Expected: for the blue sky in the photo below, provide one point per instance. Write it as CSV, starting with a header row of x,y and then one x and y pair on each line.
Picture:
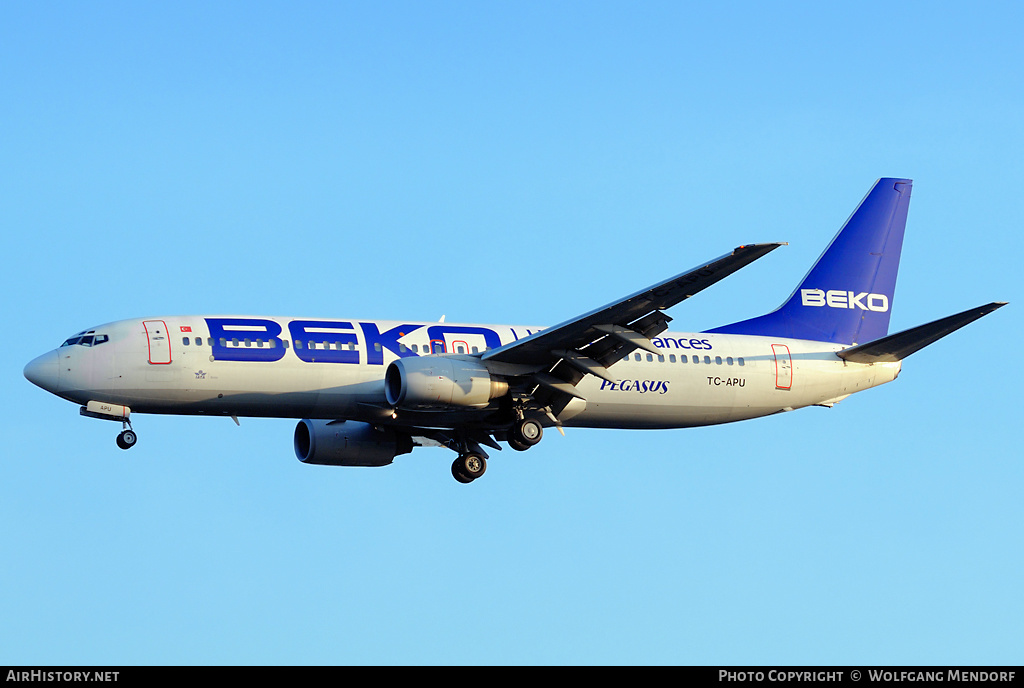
x,y
509,163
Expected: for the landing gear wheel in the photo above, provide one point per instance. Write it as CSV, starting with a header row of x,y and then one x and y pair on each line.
x,y
516,444
468,467
457,474
526,432
127,439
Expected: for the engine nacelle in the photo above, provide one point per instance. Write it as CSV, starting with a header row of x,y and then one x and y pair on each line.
x,y
348,443
440,382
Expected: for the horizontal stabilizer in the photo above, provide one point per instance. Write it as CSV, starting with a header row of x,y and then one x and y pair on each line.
x,y
896,347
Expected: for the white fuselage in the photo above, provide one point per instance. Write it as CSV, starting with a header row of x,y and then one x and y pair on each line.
x,y
300,368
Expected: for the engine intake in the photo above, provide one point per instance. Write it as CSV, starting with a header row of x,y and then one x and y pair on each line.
x,y
348,443
440,382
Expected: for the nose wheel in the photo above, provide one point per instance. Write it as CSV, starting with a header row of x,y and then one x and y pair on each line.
x,y
127,438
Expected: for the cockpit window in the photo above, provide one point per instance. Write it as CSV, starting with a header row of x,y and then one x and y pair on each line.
x,y
87,338
73,340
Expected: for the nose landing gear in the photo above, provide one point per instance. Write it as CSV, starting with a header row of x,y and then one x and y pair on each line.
x,y
127,438
114,412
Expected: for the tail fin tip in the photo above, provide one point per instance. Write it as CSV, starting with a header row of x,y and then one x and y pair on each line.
x,y
847,295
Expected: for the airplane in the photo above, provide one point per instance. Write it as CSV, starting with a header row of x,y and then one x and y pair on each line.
x,y
368,391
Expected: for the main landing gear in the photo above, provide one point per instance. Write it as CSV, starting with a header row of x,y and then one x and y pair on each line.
x,y
525,433
468,467
472,463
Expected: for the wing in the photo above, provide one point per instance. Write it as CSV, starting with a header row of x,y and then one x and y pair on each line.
x,y
557,358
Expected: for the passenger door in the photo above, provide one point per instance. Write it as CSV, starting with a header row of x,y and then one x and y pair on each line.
x,y
159,342
783,366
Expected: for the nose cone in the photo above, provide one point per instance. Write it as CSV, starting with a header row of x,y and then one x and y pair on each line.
x,y
44,371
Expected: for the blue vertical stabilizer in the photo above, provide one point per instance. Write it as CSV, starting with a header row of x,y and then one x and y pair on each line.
x,y
847,296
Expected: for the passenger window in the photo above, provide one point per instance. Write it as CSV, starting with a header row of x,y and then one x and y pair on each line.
x,y
696,359
728,360
661,359
199,341
234,341
476,350
707,360
248,342
739,360
718,360
671,358
186,341
637,357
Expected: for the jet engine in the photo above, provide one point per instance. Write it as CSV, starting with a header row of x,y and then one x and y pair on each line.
x,y
348,443
440,382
